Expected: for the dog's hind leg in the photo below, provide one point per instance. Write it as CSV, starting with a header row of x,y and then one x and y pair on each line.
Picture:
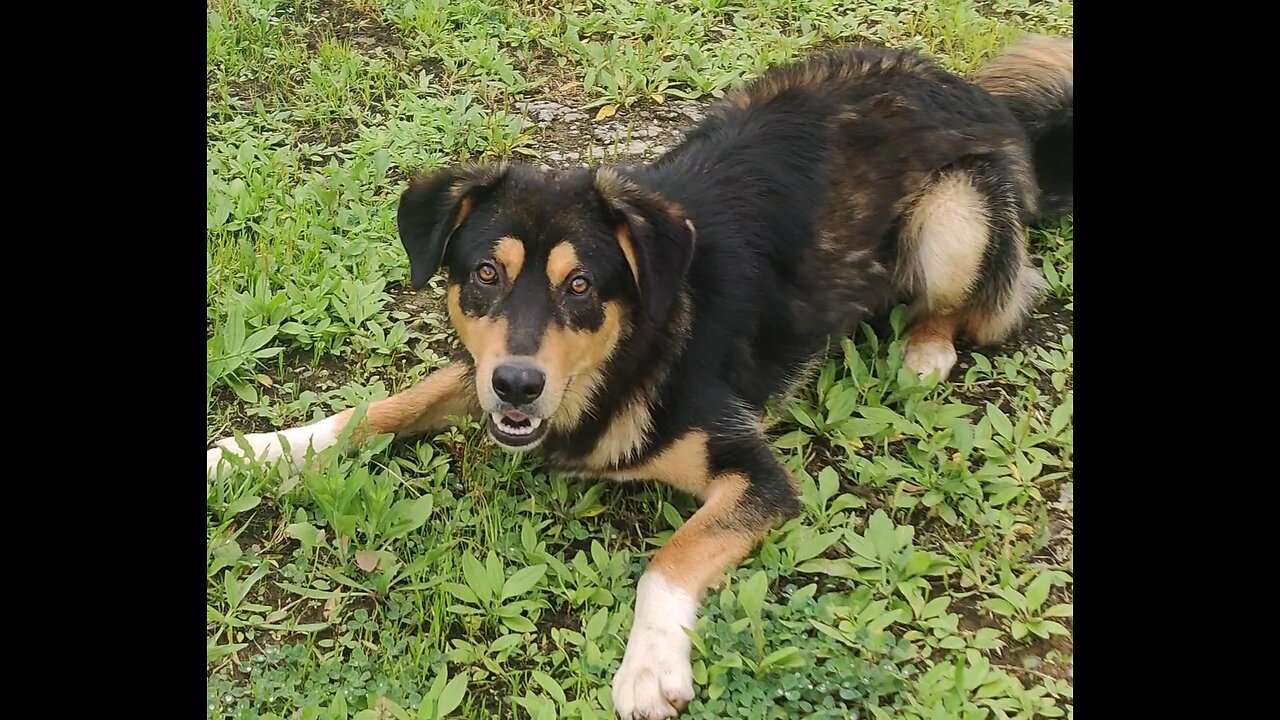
x,y
931,346
964,262
944,240
426,406
742,500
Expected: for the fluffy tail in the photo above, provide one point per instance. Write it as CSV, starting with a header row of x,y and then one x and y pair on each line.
x,y
1034,77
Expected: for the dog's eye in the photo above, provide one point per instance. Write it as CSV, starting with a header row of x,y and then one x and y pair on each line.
x,y
487,273
579,285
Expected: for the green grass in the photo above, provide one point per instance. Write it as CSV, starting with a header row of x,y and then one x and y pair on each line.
x,y
930,575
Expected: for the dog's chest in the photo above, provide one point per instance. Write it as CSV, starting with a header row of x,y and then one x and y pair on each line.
x,y
682,463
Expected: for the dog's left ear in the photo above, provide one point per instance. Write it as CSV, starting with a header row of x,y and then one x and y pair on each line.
x,y
435,206
655,236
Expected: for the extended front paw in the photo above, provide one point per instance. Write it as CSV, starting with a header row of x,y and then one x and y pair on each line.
x,y
269,447
655,679
265,447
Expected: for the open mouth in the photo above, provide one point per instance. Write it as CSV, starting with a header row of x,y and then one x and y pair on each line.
x,y
515,429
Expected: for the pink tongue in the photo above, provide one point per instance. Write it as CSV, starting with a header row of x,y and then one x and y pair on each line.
x,y
514,416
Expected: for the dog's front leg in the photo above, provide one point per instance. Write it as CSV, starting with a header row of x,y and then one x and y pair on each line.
x,y
423,407
740,506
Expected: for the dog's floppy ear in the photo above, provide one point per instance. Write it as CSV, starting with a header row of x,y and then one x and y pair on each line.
x,y
655,236
434,206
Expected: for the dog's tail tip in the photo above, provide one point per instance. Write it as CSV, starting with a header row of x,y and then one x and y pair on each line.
x,y
1035,77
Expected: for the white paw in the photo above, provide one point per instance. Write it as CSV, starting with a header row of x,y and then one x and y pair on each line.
x,y
268,448
926,354
656,679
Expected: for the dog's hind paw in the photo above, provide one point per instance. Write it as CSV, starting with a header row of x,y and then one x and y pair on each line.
x,y
928,353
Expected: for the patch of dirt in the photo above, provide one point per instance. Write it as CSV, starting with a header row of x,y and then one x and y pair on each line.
x,y
263,530
328,373
1023,660
415,302
313,22
568,136
1028,661
368,33
363,28
1059,551
330,133
241,92
556,81
1048,323
236,419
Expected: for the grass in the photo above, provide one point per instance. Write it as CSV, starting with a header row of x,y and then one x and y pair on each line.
x,y
930,575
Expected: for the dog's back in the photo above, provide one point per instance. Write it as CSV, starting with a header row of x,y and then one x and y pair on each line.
x,y
829,190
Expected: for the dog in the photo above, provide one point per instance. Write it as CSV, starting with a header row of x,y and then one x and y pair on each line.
x,y
632,322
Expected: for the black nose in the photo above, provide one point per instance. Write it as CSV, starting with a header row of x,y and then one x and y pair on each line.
x,y
518,384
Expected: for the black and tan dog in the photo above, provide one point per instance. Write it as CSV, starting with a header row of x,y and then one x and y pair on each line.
x,y
632,322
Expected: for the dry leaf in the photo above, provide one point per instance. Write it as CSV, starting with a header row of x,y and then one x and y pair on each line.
x,y
606,112
265,380
367,560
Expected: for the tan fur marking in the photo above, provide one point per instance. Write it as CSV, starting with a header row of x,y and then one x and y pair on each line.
x,y
464,209
562,260
630,426
485,338
934,327
704,548
682,465
510,252
946,236
1028,67
629,252
572,360
425,406
627,432
613,187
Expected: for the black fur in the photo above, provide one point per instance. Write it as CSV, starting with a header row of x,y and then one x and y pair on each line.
x,y
427,210
797,189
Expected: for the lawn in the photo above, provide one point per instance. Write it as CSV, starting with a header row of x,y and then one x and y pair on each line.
x,y
930,575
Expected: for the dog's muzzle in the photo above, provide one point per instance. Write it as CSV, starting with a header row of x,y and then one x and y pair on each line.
x,y
519,384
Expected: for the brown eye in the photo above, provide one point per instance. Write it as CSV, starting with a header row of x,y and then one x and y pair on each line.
x,y
487,273
579,285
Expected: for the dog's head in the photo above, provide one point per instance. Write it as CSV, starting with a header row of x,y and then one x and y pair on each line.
x,y
548,272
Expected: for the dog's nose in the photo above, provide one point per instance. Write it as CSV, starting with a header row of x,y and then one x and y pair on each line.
x,y
518,384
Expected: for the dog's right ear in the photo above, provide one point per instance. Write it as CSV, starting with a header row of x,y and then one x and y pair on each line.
x,y
434,206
